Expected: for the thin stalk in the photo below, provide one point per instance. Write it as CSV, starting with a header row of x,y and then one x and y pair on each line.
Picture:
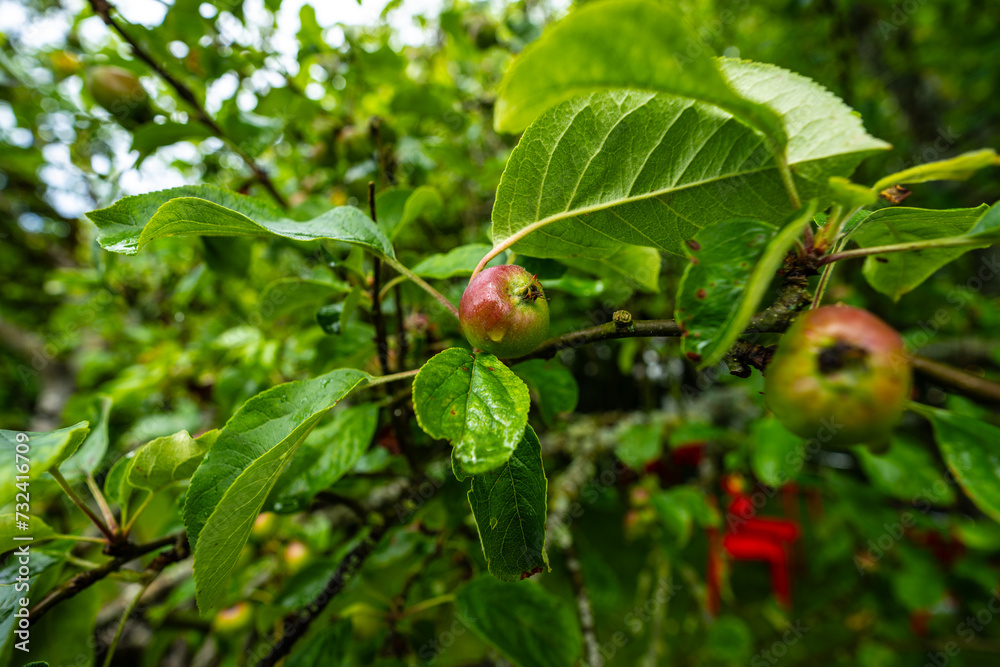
x,y
101,502
828,232
958,241
427,604
121,625
968,384
384,379
384,292
79,562
422,284
68,490
78,538
786,178
821,286
138,511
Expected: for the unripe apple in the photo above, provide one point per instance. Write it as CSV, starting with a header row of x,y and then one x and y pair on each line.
x,y
504,311
840,375
264,526
233,620
120,93
365,619
296,556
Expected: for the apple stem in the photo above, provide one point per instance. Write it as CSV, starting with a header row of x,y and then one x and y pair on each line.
x,y
384,379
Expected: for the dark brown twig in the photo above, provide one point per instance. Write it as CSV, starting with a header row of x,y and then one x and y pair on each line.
x,y
399,424
378,319
401,341
88,578
346,571
103,9
574,339
792,298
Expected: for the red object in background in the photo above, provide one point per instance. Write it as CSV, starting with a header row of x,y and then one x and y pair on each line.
x,y
919,621
677,464
688,455
749,537
945,548
713,575
754,547
387,438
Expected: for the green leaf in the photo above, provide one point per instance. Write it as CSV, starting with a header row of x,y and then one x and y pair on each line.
x,y
627,167
236,476
11,593
621,44
508,503
638,444
576,286
460,261
63,633
163,461
680,509
351,303
777,455
131,223
530,626
114,483
906,471
958,168
333,317
968,448
37,529
553,385
894,274
287,295
722,258
919,582
474,401
729,640
327,454
988,226
42,451
150,136
329,318
398,207
851,195
95,446
719,292
639,267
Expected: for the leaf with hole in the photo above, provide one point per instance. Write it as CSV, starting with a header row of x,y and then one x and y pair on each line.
x,y
731,265
897,273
